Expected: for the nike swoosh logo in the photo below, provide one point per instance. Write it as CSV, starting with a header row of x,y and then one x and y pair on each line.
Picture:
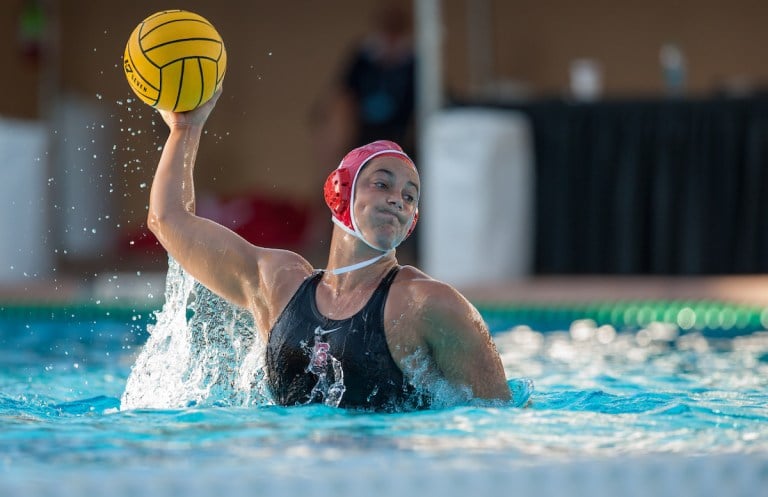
x,y
321,332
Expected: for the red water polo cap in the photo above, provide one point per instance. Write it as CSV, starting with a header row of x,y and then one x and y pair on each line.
x,y
339,188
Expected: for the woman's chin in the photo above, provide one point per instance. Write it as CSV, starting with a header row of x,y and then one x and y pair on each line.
x,y
384,247
384,237
387,243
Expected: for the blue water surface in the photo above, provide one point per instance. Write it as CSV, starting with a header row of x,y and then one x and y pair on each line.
x,y
586,390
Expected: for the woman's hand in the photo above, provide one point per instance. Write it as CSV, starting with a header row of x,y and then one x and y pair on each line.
x,y
194,117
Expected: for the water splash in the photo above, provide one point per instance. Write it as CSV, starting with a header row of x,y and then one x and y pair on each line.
x,y
423,374
202,350
430,384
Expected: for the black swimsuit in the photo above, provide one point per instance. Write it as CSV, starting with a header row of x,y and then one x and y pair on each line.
x,y
311,358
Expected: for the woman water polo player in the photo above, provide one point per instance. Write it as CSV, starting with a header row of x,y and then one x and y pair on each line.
x,y
366,332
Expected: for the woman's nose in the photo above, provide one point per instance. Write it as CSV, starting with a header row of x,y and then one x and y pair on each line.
x,y
397,202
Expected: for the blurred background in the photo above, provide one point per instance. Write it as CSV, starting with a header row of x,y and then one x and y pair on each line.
x,y
554,138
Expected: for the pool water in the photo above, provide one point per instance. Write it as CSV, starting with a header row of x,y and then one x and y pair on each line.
x,y
587,392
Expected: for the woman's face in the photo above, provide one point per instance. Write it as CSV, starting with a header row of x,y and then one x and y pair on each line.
x,y
385,201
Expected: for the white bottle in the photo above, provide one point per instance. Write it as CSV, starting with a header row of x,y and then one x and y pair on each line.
x,y
673,69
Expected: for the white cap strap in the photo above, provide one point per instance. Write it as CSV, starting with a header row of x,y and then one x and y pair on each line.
x,y
359,265
362,264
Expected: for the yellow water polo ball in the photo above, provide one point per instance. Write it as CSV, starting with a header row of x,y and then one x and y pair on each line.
x,y
175,60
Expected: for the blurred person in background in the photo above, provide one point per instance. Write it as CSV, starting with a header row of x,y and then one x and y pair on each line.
x,y
373,98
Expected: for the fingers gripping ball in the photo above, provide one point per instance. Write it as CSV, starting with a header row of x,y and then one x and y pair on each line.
x,y
175,60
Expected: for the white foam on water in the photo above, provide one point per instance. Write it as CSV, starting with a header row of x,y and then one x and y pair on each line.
x,y
212,357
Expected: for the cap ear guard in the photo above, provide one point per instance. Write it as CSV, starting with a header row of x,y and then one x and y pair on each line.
x,y
338,191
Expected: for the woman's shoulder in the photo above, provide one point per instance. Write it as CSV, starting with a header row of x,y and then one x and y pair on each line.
x,y
281,274
425,305
416,285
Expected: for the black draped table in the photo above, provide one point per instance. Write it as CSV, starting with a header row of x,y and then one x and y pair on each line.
x,y
650,186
